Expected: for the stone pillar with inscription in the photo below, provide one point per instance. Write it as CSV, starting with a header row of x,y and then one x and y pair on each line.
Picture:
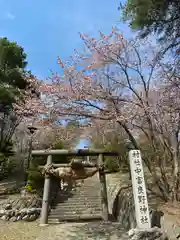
x,y
139,190
143,229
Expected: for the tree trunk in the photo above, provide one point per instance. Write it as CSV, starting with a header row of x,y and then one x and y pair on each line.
x,y
164,178
175,179
175,182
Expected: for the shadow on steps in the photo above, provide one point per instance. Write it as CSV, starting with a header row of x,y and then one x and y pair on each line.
x,y
61,196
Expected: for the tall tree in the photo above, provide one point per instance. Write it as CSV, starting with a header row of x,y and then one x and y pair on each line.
x,y
17,87
160,17
12,71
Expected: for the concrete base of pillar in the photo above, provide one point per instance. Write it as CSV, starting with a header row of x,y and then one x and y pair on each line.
x,y
148,234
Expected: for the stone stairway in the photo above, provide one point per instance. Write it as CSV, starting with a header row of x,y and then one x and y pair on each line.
x,y
83,204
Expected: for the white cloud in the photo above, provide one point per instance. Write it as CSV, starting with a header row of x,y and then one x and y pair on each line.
x,y
10,16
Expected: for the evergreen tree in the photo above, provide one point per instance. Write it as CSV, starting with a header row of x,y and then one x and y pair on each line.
x,y
155,16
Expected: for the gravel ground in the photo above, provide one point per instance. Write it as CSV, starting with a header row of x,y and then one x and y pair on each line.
x,y
80,231
68,231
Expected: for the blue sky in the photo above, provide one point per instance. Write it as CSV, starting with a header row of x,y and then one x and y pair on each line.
x,y
47,29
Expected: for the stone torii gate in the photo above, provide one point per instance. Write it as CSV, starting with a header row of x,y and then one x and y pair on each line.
x,y
75,152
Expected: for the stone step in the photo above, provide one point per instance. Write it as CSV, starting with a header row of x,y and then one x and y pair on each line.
x,y
91,190
75,212
82,217
80,200
85,198
92,185
85,188
72,209
80,195
66,208
88,191
79,204
97,188
77,215
80,209
71,202
76,204
89,197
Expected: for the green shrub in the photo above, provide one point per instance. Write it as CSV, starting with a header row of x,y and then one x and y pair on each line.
x,y
29,186
35,179
111,164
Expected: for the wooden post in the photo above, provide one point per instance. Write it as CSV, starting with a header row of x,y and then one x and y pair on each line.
x,y
45,202
104,199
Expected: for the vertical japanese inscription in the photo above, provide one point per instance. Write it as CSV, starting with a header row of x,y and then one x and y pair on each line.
x,y
139,190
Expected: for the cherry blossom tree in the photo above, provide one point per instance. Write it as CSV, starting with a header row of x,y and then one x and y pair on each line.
x,y
124,82
36,112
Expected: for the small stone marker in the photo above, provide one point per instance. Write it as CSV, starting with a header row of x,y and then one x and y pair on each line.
x,y
139,190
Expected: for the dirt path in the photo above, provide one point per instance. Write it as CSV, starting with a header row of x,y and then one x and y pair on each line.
x,y
68,231
80,231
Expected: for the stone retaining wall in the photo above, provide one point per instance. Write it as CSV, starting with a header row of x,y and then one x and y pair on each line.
x,y
123,208
25,207
114,183
120,199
